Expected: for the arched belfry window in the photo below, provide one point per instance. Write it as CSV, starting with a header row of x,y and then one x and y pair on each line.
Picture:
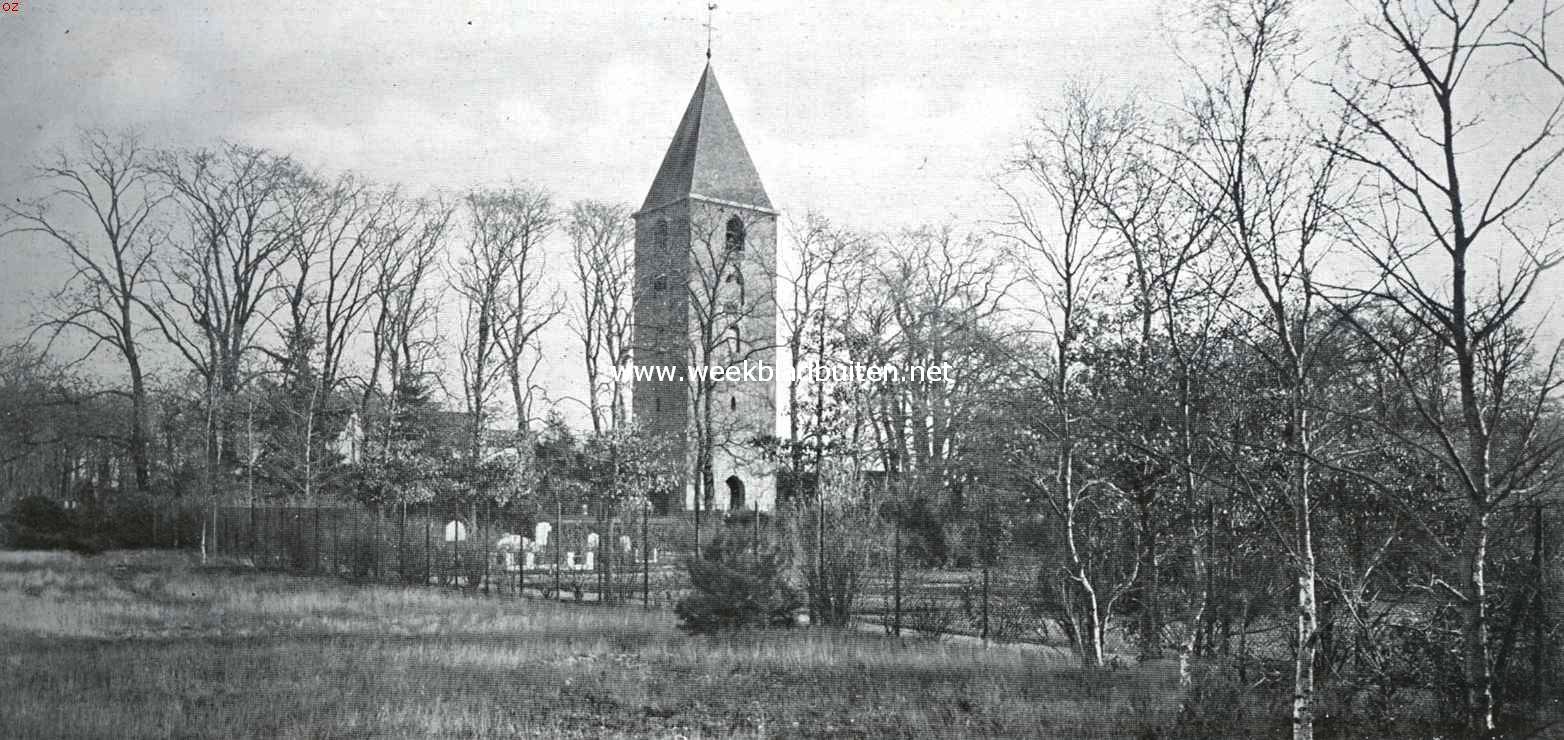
x,y
660,236
735,235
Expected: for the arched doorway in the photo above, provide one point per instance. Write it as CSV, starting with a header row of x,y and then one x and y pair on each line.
x,y
735,493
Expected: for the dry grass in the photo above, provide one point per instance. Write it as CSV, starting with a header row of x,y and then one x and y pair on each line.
x,y
151,645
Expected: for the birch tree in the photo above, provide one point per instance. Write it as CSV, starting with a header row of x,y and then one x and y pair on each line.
x,y
1461,185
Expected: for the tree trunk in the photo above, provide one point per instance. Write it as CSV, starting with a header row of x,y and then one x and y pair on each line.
x,y
1476,665
138,435
1308,610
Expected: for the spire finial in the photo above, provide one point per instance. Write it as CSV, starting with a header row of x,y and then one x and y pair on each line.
x,y
709,8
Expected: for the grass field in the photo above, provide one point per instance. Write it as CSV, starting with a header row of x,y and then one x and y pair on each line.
x,y
155,645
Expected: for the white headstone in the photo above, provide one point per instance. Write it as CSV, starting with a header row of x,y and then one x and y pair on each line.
x,y
540,533
570,560
591,561
455,531
591,540
529,560
509,543
624,542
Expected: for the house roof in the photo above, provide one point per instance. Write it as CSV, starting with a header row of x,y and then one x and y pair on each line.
x,y
707,157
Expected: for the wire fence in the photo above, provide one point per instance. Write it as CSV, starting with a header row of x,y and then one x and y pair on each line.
x,y
633,559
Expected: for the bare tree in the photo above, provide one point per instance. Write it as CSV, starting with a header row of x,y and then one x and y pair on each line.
x,y
1164,221
600,236
727,295
215,283
498,277
108,184
944,291
403,304
1064,255
529,217
815,287
1422,116
1277,196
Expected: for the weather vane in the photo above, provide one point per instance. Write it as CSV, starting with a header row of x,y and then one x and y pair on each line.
x,y
709,8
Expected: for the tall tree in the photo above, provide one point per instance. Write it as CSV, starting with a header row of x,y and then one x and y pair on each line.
x,y
1065,254
528,216
404,303
1449,205
100,212
215,281
600,235
1278,197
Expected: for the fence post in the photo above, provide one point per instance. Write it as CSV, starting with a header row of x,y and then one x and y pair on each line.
x,y
485,535
1539,649
985,604
336,542
374,542
319,564
896,579
279,514
605,565
646,559
559,535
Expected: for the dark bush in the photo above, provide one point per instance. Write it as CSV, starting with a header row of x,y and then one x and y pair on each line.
x,y
40,523
923,536
133,521
738,585
39,515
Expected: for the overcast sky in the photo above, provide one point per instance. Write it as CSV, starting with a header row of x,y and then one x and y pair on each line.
x,y
878,114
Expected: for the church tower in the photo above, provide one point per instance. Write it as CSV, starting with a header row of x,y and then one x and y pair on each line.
x,y
705,277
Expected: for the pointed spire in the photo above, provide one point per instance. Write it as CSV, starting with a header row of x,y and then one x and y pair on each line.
x,y
707,157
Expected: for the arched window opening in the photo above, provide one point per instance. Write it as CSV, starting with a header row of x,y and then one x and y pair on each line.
x,y
735,493
736,339
735,235
657,405
660,236
733,403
